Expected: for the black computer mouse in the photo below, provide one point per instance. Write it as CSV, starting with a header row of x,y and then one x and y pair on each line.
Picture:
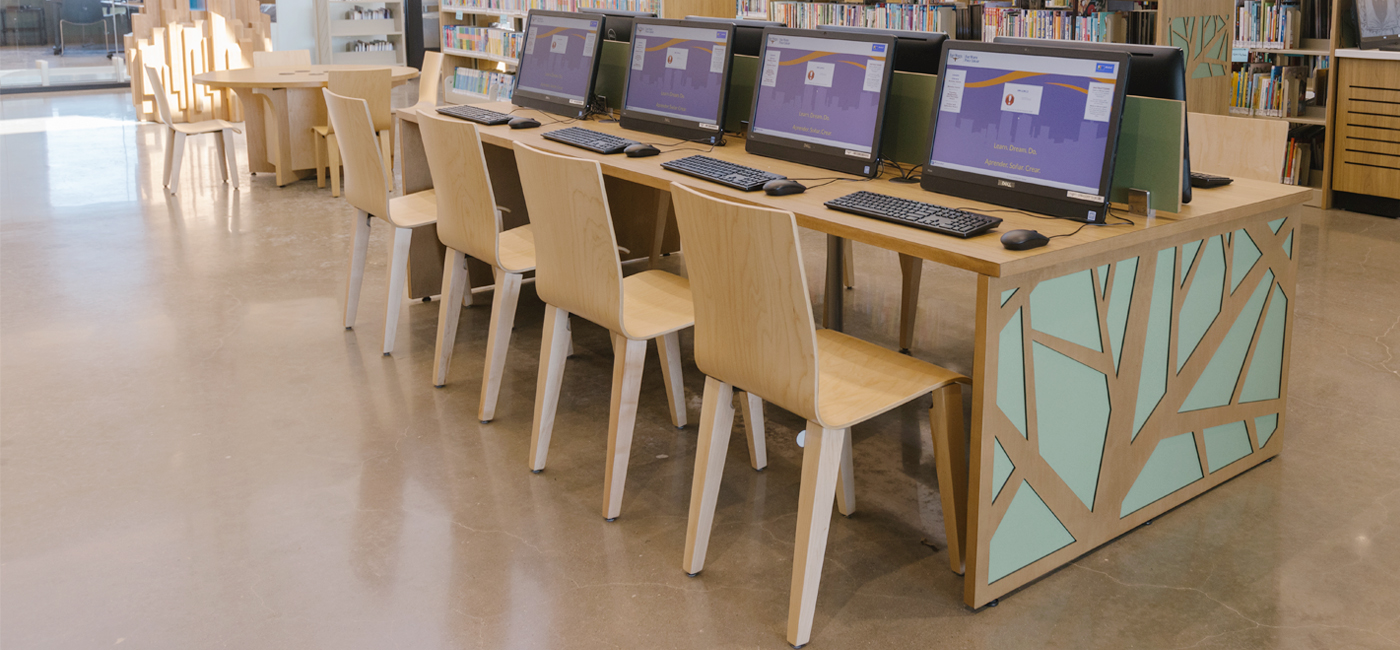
x,y
640,150
783,187
523,123
1023,240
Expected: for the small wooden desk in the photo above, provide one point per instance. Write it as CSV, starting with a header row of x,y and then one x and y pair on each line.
x,y
293,105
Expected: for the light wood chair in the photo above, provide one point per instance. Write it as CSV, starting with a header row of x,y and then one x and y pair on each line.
x,y
1238,147
367,190
754,330
177,132
371,85
281,58
429,80
469,224
578,272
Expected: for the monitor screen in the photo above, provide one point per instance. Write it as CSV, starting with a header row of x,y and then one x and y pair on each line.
x,y
678,75
558,61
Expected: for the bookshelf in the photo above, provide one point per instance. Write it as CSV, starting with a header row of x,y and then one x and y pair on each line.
x,y
364,33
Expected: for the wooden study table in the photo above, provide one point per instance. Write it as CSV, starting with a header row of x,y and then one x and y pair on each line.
x,y
292,104
1119,371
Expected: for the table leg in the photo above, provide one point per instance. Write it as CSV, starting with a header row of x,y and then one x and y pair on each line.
x,y
255,132
834,300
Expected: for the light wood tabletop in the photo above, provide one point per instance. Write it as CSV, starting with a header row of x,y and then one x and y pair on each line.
x,y
296,76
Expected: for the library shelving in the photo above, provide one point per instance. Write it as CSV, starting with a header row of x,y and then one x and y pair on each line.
x,y
370,33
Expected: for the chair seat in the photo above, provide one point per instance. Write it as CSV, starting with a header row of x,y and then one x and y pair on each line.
x,y
516,249
207,126
860,380
656,303
417,209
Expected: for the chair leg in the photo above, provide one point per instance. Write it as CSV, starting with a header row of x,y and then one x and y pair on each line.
x,y
322,143
669,347
358,249
454,284
398,275
622,418
848,268
169,156
333,162
712,445
177,158
230,157
752,406
386,150
219,150
552,357
503,302
912,270
950,458
821,465
846,480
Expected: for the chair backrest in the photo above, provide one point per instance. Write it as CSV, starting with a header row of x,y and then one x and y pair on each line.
x,y
753,319
282,58
157,89
429,78
576,264
1238,147
467,216
371,85
365,187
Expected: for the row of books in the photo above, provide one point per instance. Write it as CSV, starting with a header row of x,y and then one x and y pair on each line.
x,y
1304,152
369,46
483,39
1268,25
1101,27
1317,18
359,13
523,6
1026,23
916,17
494,85
1269,90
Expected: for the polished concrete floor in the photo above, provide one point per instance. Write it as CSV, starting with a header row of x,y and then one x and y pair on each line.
x,y
197,455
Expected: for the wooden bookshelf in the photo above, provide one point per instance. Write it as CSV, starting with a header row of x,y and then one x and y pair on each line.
x,y
336,32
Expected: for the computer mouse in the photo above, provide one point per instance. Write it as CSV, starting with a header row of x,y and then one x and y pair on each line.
x,y
783,187
1023,240
523,123
640,150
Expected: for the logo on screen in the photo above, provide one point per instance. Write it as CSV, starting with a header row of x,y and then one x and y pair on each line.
x,y
878,47
1010,99
811,75
1104,68
592,23
1005,183
721,35
669,58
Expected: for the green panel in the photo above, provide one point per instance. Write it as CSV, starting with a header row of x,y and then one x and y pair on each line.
x,y
1202,302
612,73
1226,444
1149,151
1174,464
742,73
1264,427
1207,33
1011,374
1178,33
1276,224
908,108
1066,307
1219,52
1203,71
1118,306
1266,367
1103,280
1001,468
1288,245
1246,253
1153,382
1218,69
1188,255
1028,532
1217,383
1006,295
1071,418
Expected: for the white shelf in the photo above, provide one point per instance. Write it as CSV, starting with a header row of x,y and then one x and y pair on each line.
x,y
1358,53
387,57
477,11
455,96
473,54
366,27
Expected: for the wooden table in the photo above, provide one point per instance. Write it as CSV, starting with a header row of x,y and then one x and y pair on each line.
x,y
291,104
1119,371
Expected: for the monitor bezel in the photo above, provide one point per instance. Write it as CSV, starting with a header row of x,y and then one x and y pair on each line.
x,y
675,127
552,103
902,63
1024,194
810,153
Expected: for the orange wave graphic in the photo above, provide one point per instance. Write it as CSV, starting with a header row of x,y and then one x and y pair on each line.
x,y
1010,76
1082,90
815,55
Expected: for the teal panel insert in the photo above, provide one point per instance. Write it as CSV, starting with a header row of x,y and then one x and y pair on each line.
x,y
1202,302
1001,468
1118,304
1006,295
1288,245
1266,367
1153,382
1217,383
1071,419
1066,307
1264,427
1276,224
1011,374
1174,464
1029,531
1226,444
1246,253
1103,280
1188,255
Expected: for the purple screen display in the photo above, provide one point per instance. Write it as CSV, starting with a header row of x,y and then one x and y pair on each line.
x,y
558,57
677,72
823,91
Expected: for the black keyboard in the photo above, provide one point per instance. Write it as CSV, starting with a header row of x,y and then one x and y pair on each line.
x,y
937,218
1208,181
474,114
738,177
590,140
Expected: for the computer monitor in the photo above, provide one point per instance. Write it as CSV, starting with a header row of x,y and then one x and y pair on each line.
x,y
748,34
678,78
913,51
1028,127
617,25
1377,24
558,63
820,99
1156,71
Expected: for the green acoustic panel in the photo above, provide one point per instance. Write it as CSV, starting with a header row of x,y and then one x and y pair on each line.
x,y
1006,295
1245,255
1288,245
1103,280
1188,255
1066,307
612,73
908,109
1071,418
1118,304
1149,151
1276,224
1011,373
1001,468
1226,444
1153,382
1174,464
1217,383
1266,366
1029,531
1202,303
1264,427
742,73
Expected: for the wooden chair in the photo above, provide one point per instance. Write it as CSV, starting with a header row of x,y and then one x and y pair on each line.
x,y
578,272
429,79
367,190
469,224
177,132
282,58
371,85
754,330
1238,147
